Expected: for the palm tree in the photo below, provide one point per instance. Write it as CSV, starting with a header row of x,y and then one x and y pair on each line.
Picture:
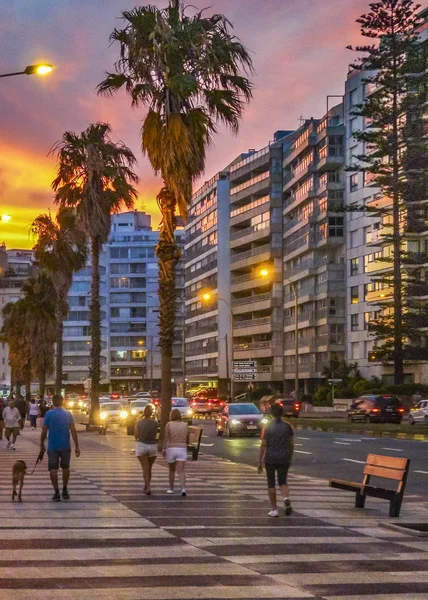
x,y
95,177
187,71
40,325
60,249
13,333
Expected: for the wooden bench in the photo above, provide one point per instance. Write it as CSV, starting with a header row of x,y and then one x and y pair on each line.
x,y
195,436
384,467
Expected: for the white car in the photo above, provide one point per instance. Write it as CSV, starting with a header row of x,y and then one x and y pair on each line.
x,y
137,406
182,404
419,414
112,412
142,395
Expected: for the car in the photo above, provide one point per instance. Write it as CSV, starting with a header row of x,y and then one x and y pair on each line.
x,y
142,395
115,396
290,406
135,412
182,404
112,412
376,408
207,401
419,413
240,418
72,401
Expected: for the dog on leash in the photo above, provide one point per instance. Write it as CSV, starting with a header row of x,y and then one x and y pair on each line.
x,y
18,474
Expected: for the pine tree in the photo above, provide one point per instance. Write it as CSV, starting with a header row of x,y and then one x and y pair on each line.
x,y
395,160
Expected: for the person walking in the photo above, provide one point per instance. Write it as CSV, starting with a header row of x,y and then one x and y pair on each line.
x,y
11,418
176,439
33,413
276,452
146,451
21,405
57,426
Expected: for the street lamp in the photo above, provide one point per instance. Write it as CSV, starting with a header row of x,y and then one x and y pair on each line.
x,y
39,69
208,297
143,357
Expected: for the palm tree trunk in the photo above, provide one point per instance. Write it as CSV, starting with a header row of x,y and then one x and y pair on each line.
x,y
168,254
28,383
42,382
95,321
58,357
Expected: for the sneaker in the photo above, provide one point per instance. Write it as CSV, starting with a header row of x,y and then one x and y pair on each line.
x,y
170,491
183,492
287,507
12,447
273,513
8,445
56,497
65,495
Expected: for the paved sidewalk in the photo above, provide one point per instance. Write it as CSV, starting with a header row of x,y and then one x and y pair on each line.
x,y
111,542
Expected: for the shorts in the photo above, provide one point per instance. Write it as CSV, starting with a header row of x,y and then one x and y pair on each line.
x,y
11,431
146,449
58,458
176,454
281,470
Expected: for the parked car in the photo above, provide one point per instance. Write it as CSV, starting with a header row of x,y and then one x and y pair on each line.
x,y
72,401
419,413
373,408
141,395
206,401
240,418
291,407
113,412
135,412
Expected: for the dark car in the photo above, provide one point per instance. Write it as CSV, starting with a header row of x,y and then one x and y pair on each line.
x,y
291,407
240,418
207,401
136,411
373,408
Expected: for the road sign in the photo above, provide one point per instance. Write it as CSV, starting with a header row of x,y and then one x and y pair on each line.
x,y
239,365
334,380
245,376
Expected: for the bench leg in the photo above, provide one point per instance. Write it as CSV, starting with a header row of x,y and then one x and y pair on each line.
x,y
360,499
395,507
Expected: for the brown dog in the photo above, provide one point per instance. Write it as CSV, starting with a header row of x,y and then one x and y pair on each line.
x,y
18,473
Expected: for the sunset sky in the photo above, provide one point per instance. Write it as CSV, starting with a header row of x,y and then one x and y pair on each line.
x,y
298,49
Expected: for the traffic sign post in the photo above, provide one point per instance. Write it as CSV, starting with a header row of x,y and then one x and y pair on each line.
x,y
245,376
245,370
332,382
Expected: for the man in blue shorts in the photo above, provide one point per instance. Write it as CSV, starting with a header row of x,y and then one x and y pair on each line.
x,y
276,452
59,424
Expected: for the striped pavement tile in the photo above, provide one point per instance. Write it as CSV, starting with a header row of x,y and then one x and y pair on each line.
x,y
112,541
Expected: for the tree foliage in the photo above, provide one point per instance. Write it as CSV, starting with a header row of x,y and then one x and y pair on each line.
x,y
395,160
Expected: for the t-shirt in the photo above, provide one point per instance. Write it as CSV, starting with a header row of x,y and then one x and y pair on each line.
x,y
11,417
58,422
147,431
278,435
21,405
175,435
33,410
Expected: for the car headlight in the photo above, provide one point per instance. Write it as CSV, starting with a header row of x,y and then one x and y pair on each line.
x,y
123,414
71,404
103,416
134,411
264,421
190,412
80,403
235,422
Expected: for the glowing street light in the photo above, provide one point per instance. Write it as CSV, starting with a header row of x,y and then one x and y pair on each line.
x,y
39,69
5,218
264,272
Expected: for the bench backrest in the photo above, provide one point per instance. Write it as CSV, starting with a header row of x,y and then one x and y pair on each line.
x,y
195,434
387,467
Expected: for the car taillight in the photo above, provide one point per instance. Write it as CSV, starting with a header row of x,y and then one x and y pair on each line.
x,y
375,410
209,403
221,403
297,406
401,410
194,403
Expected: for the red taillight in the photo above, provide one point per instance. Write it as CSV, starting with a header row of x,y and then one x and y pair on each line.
x,y
297,406
221,403
401,410
375,410
194,403
209,403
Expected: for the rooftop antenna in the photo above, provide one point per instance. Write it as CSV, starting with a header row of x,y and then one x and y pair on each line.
x,y
301,120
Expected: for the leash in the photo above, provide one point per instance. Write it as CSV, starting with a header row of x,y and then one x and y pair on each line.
x,y
39,459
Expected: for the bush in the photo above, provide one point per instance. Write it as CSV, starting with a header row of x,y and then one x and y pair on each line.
x,y
307,398
344,392
322,396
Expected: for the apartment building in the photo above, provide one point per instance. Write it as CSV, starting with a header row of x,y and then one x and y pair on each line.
x,y
368,254
314,249
208,346
130,357
15,267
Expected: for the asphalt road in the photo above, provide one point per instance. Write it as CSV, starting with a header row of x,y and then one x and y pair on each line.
x,y
325,455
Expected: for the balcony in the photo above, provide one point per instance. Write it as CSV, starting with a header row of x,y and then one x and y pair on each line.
x,y
262,181
252,322
254,350
254,252
255,231
330,158
251,299
201,349
252,346
190,370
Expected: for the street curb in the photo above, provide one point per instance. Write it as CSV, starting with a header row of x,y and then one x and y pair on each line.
x,y
387,434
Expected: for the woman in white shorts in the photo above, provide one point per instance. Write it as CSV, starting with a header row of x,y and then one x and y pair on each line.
x,y
145,433
175,444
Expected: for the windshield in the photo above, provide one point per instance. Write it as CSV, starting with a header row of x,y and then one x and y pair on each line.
x,y
111,406
244,409
139,403
179,402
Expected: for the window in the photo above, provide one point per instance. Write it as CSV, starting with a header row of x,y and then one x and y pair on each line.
x,y
119,252
354,294
354,266
353,182
353,123
119,268
353,238
335,227
355,350
138,268
119,282
354,322
138,312
354,97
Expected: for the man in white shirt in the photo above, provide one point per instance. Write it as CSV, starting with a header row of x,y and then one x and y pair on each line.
x,y
11,418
